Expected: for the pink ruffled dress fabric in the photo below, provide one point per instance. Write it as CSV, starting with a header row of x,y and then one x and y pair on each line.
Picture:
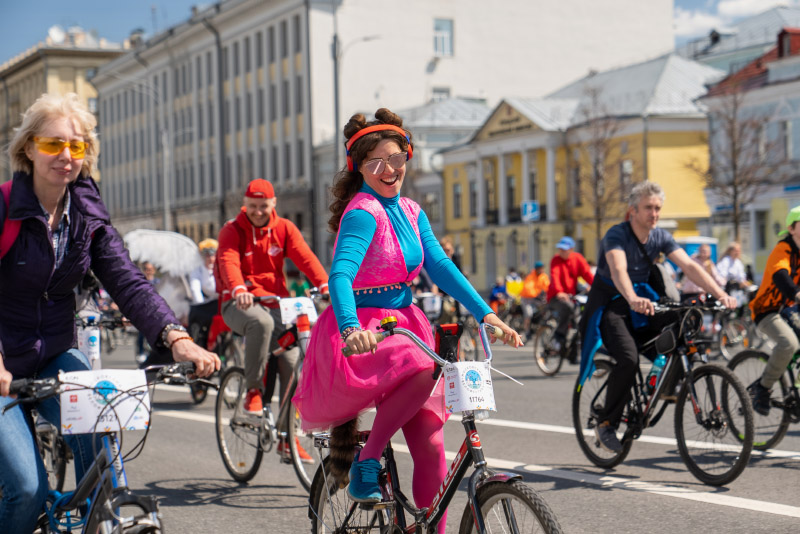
x,y
334,389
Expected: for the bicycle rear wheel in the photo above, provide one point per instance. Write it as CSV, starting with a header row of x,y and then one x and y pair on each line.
x,y
332,511
305,459
587,400
708,433
237,432
547,358
511,507
768,430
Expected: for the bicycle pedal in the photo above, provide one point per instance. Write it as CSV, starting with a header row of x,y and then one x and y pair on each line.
x,y
383,505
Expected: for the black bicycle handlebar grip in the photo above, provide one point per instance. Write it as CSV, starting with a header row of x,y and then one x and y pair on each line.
x,y
18,385
379,336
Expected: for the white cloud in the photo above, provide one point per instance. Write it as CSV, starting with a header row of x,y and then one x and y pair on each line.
x,y
731,9
694,23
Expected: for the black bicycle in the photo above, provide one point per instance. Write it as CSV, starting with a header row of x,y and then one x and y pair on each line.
x,y
548,354
497,501
713,415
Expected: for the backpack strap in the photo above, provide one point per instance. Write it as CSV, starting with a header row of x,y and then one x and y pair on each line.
x,y
10,227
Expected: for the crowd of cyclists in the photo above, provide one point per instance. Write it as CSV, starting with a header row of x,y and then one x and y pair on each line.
x,y
56,227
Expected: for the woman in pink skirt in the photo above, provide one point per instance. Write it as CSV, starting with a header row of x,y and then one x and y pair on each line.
x,y
383,240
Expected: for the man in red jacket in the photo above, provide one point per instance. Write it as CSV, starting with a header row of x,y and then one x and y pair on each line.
x,y
251,251
565,269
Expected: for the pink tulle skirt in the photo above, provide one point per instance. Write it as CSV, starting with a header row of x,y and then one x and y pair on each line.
x,y
333,389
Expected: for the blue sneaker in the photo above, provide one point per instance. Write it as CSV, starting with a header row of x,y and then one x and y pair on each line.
x,y
363,485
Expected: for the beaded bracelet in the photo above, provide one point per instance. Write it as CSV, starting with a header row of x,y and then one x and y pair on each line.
x,y
349,330
190,338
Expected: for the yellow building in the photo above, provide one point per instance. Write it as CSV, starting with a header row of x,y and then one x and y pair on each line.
x,y
568,162
63,63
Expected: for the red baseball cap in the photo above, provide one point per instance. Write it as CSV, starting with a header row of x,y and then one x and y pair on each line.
x,y
259,188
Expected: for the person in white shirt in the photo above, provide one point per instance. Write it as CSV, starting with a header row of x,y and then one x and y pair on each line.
x,y
204,292
731,268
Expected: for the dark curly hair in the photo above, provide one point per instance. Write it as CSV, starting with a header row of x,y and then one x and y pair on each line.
x,y
346,182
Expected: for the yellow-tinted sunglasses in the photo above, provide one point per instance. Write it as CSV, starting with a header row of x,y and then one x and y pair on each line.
x,y
53,146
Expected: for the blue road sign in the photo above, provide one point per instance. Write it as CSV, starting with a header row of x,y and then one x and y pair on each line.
x,y
530,211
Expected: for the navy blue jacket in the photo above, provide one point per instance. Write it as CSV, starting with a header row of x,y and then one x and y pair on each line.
x,y
37,302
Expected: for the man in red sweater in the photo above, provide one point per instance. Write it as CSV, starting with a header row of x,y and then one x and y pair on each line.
x,y
250,257
565,269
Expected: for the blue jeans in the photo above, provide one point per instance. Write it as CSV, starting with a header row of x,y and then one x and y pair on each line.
x,y
23,480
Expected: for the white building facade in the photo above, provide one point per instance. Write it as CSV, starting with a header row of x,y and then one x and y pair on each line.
x,y
264,72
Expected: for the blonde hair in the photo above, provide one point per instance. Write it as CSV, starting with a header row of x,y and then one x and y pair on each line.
x,y
49,107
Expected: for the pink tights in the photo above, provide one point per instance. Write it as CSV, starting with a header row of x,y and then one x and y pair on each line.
x,y
423,432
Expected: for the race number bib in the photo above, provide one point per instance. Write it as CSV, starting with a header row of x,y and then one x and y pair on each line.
x,y
104,401
468,386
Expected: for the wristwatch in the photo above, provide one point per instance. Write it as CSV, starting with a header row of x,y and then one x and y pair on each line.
x,y
169,328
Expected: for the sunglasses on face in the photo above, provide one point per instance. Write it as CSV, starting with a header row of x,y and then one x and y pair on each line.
x,y
378,165
53,146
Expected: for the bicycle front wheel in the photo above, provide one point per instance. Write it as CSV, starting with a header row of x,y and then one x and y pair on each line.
x,y
237,432
511,507
587,401
305,459
332,511
547,358
734,337
707,427
770,429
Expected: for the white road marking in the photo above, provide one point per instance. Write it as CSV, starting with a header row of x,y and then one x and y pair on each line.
x,y
586,478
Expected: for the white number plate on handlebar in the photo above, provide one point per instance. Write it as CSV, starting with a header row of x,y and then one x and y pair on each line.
x,y
115,398
468,386
292,307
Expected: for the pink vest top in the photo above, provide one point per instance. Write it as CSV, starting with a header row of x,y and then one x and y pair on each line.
x,y
384,263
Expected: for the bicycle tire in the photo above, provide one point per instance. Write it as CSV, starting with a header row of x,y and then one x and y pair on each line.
x,y
329,505
714,463
547,359
734,337
768,430
584,418
237,433
301,442
537,517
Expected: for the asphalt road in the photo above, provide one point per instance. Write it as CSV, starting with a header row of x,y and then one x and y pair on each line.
x,y
531,434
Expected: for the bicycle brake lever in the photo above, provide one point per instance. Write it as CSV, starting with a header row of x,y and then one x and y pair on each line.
x,y
11,404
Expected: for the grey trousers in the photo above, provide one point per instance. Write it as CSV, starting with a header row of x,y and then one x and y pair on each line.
x,y
786,344
261,328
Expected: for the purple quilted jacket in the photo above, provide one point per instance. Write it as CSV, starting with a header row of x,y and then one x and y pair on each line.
x,y
37,302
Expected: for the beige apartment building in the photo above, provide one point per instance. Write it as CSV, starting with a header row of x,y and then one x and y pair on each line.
x,y
64,62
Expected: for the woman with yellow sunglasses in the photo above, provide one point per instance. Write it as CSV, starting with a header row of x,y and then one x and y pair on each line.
x,y
61,229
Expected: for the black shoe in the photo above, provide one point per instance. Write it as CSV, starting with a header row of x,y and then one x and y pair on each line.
x,y
760,396
607,436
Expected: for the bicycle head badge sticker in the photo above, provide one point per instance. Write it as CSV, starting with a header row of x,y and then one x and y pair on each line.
x,y
472,379
104,392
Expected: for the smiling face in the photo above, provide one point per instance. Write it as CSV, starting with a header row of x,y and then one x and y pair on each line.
x,y
387,183
259,210
59,170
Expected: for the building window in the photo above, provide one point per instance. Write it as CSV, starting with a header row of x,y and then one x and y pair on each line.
x,y
226,118
786,139
287,160
430,205
92,102
237,178
300,157
259,49
198,72
298,41
271,44
284,39
576,186
199,121
285,99
511,192
625,178
456,201
208,68
262,162
247,54
210,118
440,93
225,71
273,102
250,171
299,219
274,162
235,59
473,199
442,37
533,186
260,105
248,106
298,94
761,230
237,119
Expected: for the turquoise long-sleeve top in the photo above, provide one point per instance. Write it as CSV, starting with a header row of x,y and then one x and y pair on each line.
x,y
356,230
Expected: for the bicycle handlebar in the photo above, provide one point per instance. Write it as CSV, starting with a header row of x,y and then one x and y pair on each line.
x,y
380,336
716,306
